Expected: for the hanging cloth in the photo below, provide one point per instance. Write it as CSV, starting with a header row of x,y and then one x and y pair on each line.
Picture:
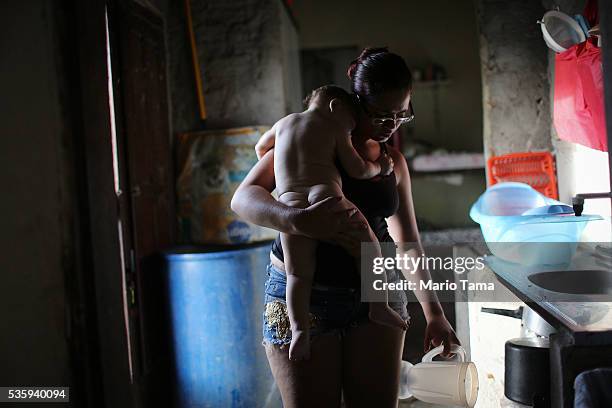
x,y
578,109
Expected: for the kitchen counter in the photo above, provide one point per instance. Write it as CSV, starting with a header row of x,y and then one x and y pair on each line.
x,y
587,317
583,340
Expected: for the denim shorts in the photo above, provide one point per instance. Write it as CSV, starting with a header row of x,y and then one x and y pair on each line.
x,y
332,309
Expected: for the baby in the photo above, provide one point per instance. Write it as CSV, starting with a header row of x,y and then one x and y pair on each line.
x,y
306,146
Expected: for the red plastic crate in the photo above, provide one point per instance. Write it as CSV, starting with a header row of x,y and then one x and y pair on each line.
x,y
534,168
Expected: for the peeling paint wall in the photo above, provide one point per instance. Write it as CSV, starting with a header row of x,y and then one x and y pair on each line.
x,y
516,101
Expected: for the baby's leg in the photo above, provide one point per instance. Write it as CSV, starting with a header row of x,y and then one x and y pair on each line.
x,y
299,259
380,312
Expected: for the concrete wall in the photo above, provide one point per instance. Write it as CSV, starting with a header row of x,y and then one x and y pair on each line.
x,y
423,32
290,52
249,63
515,85
37,212
182,93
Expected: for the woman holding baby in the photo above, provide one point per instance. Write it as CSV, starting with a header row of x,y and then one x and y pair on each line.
x,y
351,356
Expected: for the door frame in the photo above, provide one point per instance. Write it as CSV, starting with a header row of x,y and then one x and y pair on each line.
x,y
145,308
101,246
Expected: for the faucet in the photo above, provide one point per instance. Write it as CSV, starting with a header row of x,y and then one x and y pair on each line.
x,y
578,200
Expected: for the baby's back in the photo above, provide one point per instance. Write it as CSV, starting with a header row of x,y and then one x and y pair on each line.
x,y
304,151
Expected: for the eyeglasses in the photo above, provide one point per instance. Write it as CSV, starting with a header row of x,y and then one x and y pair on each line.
x,y
381,120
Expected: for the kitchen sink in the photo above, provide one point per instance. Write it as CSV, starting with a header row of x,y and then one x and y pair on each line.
x,y
581,282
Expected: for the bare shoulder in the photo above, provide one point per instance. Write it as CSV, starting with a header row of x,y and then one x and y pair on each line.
x,y
288,121
292,117
400,166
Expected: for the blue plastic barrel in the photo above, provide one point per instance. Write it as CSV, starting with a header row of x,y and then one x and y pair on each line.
x,y
215,300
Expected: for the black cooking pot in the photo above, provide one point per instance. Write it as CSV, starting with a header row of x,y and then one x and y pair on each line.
x,y
527,371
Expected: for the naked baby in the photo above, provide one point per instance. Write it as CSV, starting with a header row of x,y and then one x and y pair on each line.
x,y
307,145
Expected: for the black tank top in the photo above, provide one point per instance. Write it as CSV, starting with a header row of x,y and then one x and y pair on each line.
x,y
377,199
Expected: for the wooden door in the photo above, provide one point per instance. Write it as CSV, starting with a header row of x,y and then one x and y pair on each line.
x,y
146,202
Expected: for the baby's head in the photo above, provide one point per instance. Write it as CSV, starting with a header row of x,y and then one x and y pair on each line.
x,y
339,103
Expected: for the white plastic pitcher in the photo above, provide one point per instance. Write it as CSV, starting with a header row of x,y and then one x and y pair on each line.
x,y
450,382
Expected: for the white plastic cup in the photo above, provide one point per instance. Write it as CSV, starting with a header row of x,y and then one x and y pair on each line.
x,y
452,383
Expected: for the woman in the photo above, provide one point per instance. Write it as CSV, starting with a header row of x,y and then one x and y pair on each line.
x,y
350,355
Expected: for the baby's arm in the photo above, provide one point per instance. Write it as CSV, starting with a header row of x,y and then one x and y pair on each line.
x,y
355,165
265,142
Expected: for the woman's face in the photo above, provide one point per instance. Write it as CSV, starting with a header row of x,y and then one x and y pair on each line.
x,y
394,103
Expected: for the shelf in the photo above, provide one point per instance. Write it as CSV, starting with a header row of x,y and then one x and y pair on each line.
x,y
447,162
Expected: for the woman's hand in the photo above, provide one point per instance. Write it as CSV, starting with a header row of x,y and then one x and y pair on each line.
x,y
439,331
332,220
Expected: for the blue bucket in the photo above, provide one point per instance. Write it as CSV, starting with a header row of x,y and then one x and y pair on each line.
x,y
215,300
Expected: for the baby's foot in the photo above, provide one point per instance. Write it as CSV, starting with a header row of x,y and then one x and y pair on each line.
x,y
300,346
381,313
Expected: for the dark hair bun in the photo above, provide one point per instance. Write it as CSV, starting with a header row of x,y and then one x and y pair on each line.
x,y
377,70
368,51
363,56
371,51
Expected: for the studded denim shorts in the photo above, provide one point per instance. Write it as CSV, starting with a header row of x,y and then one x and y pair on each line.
x,y
332,309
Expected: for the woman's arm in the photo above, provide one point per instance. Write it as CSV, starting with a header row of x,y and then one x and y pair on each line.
x,y
326,220
265,142
254,202
403,228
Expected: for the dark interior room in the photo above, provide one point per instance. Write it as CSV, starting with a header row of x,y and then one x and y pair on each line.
x,y
175,196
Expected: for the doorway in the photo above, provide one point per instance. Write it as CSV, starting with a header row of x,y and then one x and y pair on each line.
x,y
144,187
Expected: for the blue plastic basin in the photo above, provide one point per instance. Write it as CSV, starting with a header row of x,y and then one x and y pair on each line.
x,y
516,220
